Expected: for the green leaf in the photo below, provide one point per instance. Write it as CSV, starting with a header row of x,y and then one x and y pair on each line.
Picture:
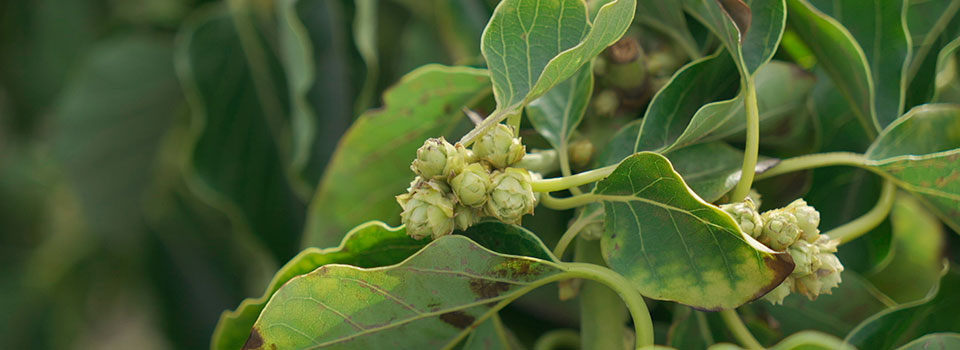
x,y
689,329
557,113
920,152
750,31
431,300
830,313
935,341
667,17
947,76
879,29
894,327
372,163
108,126
805,340
674,246
235,162
839,55
917,258
314,39
934,28
369,245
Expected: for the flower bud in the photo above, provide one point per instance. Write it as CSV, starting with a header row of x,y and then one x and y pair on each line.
x,y
471,185
498,147
437,158
746,215
777,295
808,219
780,229
464,217
512,195
806,257
427,210
823,280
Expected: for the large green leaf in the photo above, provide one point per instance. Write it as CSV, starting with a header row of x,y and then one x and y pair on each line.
x,y
667,17
431,300
935,341
916,252
370,245
370,164
880,30
839,55
921,153
674,246
236,162
318,59
751,30
557,113
937,312
830,313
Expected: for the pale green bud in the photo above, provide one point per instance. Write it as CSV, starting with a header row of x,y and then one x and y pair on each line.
x,y
437,159
471,185
464,217
823,280
427,210
498,147
806,257
808,219
777,295
746,215
780,229
512,195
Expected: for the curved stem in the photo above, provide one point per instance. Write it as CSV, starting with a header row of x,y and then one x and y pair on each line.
x,y
567,203
559,338
643,325
572,232
739,330
856,228
751,152
564,156
816,160
603,316
566,182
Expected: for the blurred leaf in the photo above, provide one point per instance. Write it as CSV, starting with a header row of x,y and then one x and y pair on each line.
x,y
750,31
937,312
448,288
948,73
367,169
921,153
917,259
806,340
647,243
935,341
667,17
879,29
557,113
108,126
237,163
839,55
689,329
831,313
317,55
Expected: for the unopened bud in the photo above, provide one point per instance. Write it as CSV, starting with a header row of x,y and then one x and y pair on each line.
x,y
780,229
471,185
777,295
464,217
808,219
512,195
746,215
498,147
437,158
427,211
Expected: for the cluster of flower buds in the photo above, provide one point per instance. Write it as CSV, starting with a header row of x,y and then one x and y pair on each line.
x,y
793,229
456,187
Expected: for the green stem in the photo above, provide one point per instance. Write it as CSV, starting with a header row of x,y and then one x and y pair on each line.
x,y
643,325
566,182
816,160
567,203
559,338
751,152
564,156
572,232
541,161
856,228
602,316
739,330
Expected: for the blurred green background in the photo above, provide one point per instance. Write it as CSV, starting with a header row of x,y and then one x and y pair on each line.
x,y
144,150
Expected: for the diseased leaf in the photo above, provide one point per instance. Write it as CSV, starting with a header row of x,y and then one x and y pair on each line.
x,y
921,153
879,29
935,341
830,313
839,55
674,246
557,113
372,162
369,245
237,160
431,300
894,327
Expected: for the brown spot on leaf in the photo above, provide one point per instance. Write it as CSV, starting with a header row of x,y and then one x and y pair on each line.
x,y
739,12
255,341
457,319
518,269
447,109
488,289
782,265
